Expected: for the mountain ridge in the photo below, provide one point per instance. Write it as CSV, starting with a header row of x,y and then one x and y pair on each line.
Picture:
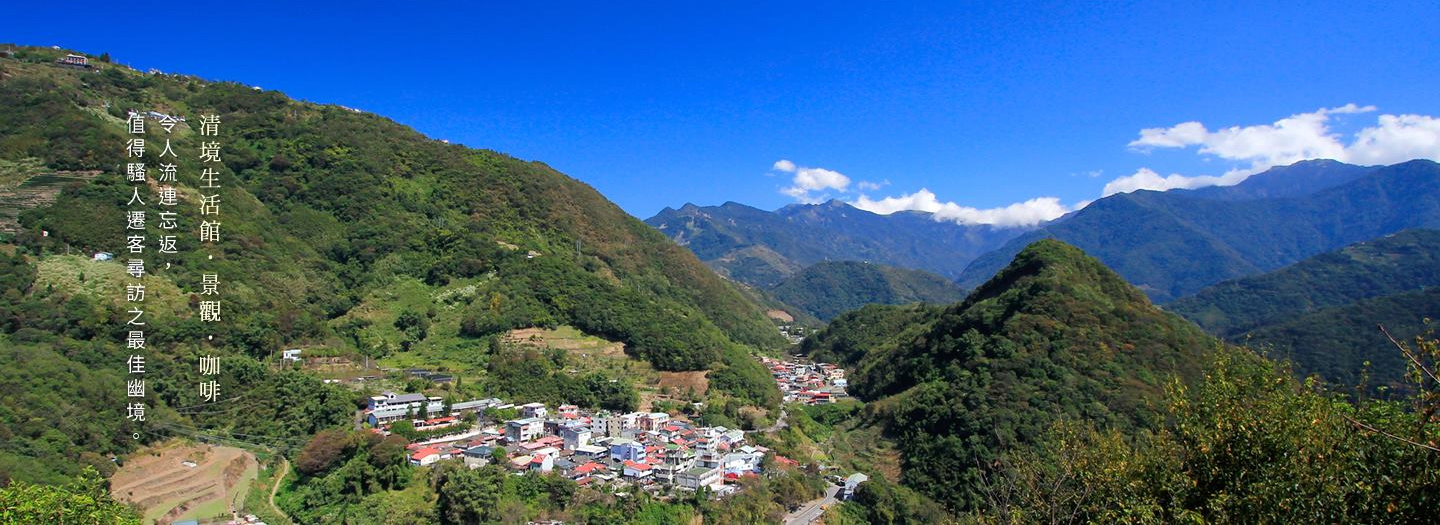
x,y
1322,312
1173,244
1055,335
800,235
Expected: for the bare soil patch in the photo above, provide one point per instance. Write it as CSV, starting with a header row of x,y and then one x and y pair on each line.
x,y
162,482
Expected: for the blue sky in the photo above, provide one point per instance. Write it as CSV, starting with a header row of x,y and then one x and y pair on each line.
x,y
985,105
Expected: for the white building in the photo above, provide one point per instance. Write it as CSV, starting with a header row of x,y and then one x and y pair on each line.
x,y
697,477
654,421
524,429
534,410
575,436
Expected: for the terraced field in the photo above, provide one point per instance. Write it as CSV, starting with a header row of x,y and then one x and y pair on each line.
x,y
186,481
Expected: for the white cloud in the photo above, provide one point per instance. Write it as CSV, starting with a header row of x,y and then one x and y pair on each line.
x,y
1147,179
1304,136
923,200
1028,213
820,179
1398,138
811,185
866,185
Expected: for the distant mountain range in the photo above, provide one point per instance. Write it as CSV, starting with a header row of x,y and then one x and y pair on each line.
x,y
1323,312
763,248
1171,244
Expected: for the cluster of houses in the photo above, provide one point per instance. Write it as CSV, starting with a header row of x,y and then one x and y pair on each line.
x,y
645,449
805,382
795,334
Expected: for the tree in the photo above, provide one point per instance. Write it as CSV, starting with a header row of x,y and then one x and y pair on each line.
x,y
470,495
414,324
322,452
84,501
404,428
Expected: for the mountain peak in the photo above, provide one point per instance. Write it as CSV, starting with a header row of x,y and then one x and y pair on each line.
x,y
1049,265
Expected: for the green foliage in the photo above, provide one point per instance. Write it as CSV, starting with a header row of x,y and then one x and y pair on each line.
x,y
764,500
745,379
1247,445
526,374
1403,262
339,469
83,501
415,325
404,428
878,501
851,335
490,495
329,204
56,410
828,289
831,414
324,209
1321,313
1054,336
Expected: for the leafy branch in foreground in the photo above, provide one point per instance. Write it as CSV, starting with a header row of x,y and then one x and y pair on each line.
x,y
1421,372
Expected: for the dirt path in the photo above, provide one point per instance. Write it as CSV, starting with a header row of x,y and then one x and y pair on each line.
x,y
280,477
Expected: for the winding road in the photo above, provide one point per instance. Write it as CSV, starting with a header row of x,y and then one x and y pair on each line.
x,y
812,511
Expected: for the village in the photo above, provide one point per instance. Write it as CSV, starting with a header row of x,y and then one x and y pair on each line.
x,y
645,450
650,451
805,382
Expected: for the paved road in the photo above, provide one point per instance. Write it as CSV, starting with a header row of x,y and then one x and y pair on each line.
x,y
779,424
811,512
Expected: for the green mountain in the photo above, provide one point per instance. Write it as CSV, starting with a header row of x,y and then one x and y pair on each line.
x,y
1054,336
1172,244
763,248
1344,344
1322,312
343,232
828,289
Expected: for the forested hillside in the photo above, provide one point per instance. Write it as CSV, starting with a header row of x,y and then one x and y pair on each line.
x,y
1324,312
828,289
1056,392
1055,336
326,209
